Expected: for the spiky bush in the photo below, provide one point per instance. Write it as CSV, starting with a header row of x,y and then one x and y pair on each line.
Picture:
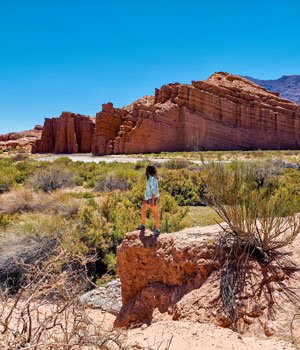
x,y
258,212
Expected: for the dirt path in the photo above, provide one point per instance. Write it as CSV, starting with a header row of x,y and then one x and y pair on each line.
x,y
107,159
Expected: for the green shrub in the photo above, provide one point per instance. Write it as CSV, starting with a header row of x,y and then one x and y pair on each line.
x,y
184,185
171,215
140,165
5,220
290,182
25,169
5,183
122,213
7,179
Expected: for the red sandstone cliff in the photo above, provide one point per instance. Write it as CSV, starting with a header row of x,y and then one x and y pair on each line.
x,y
226,112
70,133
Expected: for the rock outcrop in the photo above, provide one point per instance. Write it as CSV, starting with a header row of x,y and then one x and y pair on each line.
x,y
177,277
226,112
70,133
24,140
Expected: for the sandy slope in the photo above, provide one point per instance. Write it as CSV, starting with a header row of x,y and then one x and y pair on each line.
x,y
181,335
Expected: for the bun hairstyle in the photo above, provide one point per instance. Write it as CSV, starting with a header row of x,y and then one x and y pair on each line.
x,y
151,171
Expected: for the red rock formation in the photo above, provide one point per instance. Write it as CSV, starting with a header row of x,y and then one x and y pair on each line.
x,y
21,140
184,265
226,112
177,277
70,133
108,123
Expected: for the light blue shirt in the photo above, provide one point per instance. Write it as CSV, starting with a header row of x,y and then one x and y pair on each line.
x,y
151,188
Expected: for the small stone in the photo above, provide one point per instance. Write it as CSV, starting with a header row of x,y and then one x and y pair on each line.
x,y
270,328
144,326
248,320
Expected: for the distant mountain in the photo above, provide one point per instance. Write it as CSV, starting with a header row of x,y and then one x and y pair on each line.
x,y
288,86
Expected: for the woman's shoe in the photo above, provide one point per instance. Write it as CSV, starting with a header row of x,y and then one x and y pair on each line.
x,y
156,233
141,227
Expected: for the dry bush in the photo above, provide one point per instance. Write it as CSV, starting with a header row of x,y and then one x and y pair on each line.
x,y
46,313
112,182
29,250
22,200
51,178
65,204
177,163
282,164
20,156
26,200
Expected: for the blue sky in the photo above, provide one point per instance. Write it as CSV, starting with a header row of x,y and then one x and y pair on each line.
x,y
75,55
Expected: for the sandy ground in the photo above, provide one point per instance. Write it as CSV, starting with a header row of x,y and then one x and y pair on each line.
x,y
180,335
109,159
97,159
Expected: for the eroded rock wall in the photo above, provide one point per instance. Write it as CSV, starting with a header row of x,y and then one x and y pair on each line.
x,y
70,133
226,112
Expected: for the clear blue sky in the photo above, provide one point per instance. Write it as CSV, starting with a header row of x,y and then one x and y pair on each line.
x,y
61,55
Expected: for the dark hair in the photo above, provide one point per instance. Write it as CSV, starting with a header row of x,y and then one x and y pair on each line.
x,y
151,171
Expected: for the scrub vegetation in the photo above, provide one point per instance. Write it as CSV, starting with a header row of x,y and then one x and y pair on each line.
x,y
88,207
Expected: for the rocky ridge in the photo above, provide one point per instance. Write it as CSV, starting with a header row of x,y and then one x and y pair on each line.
x,y
225,112
24,140
288,86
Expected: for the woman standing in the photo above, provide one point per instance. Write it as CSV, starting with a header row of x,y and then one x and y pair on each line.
x,y
151,199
